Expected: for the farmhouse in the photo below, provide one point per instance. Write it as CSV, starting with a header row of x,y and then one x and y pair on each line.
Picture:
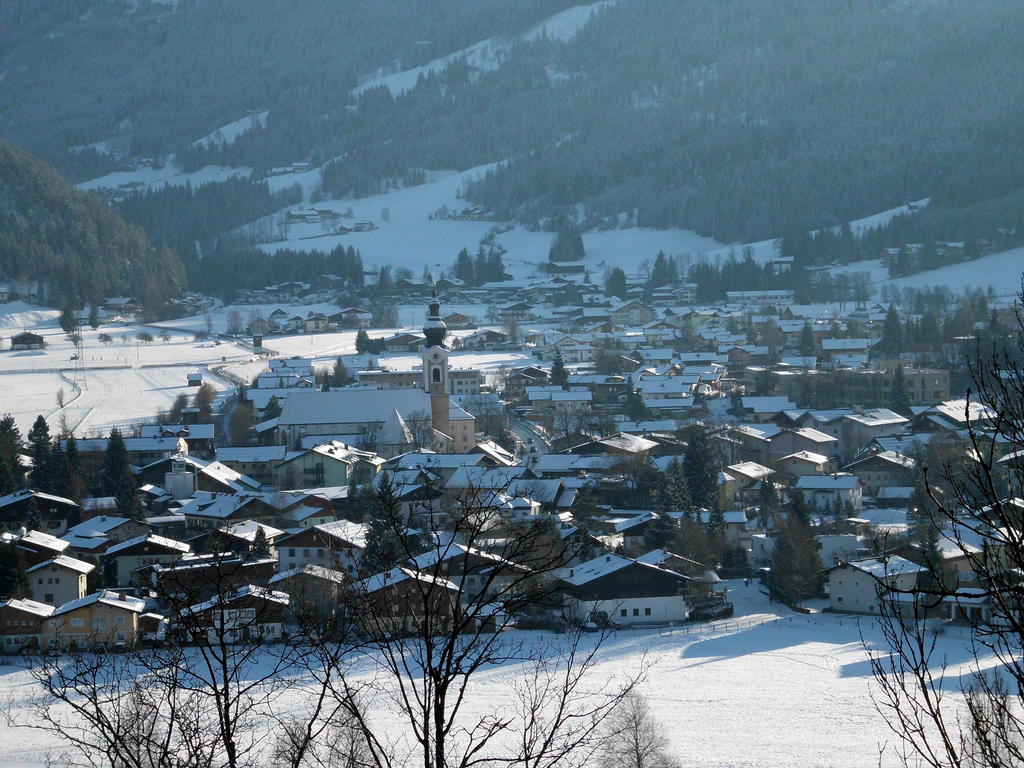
x,y
624,590
27,340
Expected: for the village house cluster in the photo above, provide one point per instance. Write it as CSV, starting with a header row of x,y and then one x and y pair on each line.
x,y
788,406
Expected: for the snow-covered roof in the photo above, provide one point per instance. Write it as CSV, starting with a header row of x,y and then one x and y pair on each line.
x,y
150,538
772,404
104,597
254,453
827,482
881,569
353,533
351,405
63,561
246,530
309,569
809,456
29,606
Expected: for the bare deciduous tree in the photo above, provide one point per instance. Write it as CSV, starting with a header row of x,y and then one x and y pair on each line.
x,y
634,738
975,498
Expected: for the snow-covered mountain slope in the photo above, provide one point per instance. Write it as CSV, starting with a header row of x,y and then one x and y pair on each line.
x,y
170,173
487,55
411,238
1001,271
227,134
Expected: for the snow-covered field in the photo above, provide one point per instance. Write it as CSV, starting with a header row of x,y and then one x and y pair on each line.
x,y
124,382
411,239
767,688
170,173
1001,271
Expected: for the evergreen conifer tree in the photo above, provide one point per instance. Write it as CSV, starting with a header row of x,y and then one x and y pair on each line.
x,y
39,445
260,546
899,398
118,479
700,468
661,531
795,561
559,374
12,474
806,344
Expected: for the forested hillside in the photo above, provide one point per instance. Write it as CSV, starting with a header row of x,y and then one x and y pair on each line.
x,y
738,119
72,243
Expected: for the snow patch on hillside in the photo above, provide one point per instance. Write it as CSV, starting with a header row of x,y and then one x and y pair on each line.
x,y
565,25
227,134
489,54
170,173
412,239
1001,271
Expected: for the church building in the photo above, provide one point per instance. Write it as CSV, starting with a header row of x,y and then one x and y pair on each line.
x,y
387,421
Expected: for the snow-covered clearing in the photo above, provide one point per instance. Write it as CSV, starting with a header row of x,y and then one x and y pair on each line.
x,y
227,134
410,238
125,380
1002,271
489,54
170,173
766,688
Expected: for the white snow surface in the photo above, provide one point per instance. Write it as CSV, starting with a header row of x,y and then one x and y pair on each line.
x,y
1002,271
227,134
170,173
489,54
411,239
766,688
124,383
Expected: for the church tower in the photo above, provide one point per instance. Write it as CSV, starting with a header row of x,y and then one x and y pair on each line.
x,y
435,366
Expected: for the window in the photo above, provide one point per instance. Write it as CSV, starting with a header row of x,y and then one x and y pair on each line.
x,y
436,375
48,597
623,612
636,611
839,599
79,622
647,611
119,621
291,552
40,579
56,579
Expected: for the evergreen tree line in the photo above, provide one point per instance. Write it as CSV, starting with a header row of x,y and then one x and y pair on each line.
x,y
58,468
228,269
77,68
71,245
486,267
180,217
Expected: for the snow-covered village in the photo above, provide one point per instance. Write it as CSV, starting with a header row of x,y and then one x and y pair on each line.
x,y
485,383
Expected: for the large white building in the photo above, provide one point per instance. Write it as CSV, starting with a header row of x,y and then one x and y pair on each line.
x,y
387,421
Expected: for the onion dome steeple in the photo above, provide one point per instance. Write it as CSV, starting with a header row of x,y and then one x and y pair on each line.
x,y
434,329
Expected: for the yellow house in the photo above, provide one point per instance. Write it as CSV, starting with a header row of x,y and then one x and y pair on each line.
x,y
104,618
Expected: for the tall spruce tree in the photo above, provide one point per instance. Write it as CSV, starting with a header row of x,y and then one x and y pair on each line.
x,y
39,445
118,479
559,374
899,397
700,468
12,473
796,565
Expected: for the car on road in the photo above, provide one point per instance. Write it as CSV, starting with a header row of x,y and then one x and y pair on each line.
x,y
710,609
